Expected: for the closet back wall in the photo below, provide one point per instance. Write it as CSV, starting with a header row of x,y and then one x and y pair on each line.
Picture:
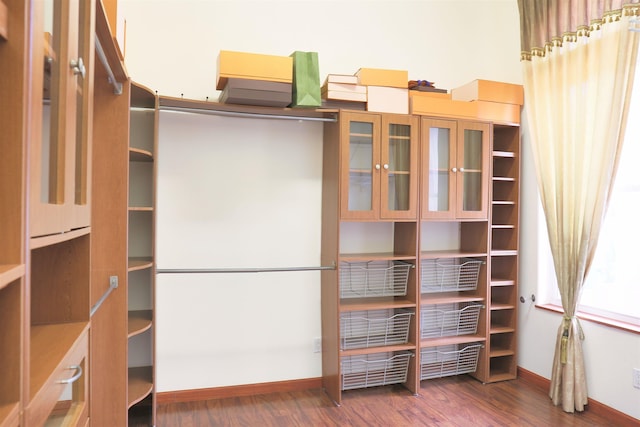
x,y
226,185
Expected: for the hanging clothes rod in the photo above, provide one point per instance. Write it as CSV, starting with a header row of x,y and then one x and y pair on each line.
x,y
241,270
117,86
246,114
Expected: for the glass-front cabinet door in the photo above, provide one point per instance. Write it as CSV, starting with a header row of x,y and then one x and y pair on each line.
x,y
472,177
399,167
59,162
455,172
360,166
438,168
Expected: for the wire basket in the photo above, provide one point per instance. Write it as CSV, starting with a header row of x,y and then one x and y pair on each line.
x,y
372,370
444,361
449,274
373,279
441,320
364,329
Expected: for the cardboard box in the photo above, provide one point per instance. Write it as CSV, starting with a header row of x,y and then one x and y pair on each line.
x,y
486,90
385,99
442,107
382,77
498,111
256,92
253,66
439,95
341,78
344,92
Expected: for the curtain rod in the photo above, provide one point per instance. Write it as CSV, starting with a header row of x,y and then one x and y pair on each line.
x,y
245,114
117,87
241,270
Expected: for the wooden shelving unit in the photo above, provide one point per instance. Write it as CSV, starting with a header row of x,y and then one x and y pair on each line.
x,y
346,171
141,253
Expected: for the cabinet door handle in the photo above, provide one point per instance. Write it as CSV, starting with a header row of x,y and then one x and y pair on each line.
x,y
77,65
75,377
377,166
454,170
461,169
386,166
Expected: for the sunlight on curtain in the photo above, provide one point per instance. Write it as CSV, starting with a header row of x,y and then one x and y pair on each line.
x,y
577,91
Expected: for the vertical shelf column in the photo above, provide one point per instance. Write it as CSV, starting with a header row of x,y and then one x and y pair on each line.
x,y
141,254
502,363
13,139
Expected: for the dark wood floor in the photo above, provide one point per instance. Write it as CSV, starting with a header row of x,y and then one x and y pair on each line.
x,y
445,402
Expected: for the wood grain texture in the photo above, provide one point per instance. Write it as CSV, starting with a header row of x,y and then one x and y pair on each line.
x,y
453,401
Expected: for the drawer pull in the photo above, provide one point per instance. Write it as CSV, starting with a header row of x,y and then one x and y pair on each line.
x,y
74,378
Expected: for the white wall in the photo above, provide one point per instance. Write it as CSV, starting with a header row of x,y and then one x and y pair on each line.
x,y
172,46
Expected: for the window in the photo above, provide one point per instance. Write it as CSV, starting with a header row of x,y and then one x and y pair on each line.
x,y
612,288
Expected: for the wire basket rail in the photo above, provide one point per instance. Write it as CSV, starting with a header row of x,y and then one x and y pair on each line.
x,y
372,370
441,320
372,328
449,274
444,361
374,279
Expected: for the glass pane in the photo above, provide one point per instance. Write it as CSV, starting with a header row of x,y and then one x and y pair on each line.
x,y
360,166
439,148
472,175
399,167
51,152
81,139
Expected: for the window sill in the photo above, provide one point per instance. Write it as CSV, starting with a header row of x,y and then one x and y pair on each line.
x,y
629,327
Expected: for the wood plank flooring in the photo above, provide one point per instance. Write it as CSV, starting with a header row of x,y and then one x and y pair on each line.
x,y
446,402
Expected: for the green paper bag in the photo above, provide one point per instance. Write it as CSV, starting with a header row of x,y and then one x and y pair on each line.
x,y
306,80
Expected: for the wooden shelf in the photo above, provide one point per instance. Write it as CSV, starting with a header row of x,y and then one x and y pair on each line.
x,y
139,321
501,352
441,341
505,154
503,179
171,103
140,209
450,254
139,263
50,344
504,252
449,297
377,256
500,377
497,306
358,304
499,329
140,384
9,414
10,272
140,155
502,282
373,350
41,242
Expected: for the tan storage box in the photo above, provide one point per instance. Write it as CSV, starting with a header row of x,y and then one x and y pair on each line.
x,y
487,90
498,112
344,92
253,66
442,107
383,99
382,77
256,92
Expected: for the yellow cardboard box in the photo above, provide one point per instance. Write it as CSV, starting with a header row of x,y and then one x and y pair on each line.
x,y
255,66
487,90
382,77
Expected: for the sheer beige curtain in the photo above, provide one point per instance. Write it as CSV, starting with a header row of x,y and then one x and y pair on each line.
x,y
579,61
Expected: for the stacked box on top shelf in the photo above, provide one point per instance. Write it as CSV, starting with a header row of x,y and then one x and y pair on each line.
x,y
387,90
343,91
254,79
